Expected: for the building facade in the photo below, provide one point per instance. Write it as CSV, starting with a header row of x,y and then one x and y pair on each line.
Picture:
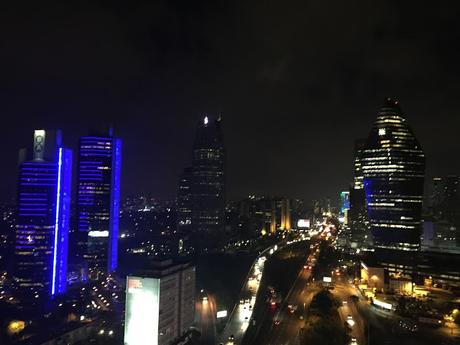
x,y
160,304
98,201
42,225
393,166
208,177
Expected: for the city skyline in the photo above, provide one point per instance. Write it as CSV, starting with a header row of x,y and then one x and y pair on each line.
x,y
293,103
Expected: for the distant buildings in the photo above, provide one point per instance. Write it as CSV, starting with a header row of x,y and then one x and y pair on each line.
x,y
184,201
344,205
98,201
43,208
208,177
393,165
160,304
358,221
442,219
263,214
445,198
440,236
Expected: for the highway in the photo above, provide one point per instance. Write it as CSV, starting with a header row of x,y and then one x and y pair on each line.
x,y
290,323
206,309
282,325
343,291
240,317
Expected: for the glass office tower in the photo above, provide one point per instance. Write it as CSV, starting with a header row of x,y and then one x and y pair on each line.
x,y
393,166
98,201
208,177
42,225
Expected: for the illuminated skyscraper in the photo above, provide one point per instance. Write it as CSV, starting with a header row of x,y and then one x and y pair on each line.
x,y
98,201
42,225
358,173
208,177
393,165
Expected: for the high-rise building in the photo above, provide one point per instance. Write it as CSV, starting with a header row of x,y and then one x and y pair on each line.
x,y
98,201
393,166
437,192
285,214
160,304
358,222
358,176
42,225
184,200
208,176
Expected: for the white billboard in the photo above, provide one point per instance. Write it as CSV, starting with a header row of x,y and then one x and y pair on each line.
x,y
142,311
221,314
382,304
98,233
327,279
303,223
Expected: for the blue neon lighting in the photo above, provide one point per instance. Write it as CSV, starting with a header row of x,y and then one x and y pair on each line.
x,y
64,219
56,222
98,192
115,209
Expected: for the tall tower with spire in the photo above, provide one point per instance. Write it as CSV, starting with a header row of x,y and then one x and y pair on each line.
x,y
208,176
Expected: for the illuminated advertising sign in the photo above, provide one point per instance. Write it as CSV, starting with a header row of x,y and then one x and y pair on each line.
x,y
327,279
303,223
381,304
142,311
39,144
221,314
98,233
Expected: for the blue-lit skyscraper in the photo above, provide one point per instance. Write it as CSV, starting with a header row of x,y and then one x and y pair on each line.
x,y
42,225
98,201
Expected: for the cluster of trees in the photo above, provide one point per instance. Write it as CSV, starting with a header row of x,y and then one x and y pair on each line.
x,y
323,325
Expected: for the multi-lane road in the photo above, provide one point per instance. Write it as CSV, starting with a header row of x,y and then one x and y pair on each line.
x,y
348,311
241,316
289,318
206,310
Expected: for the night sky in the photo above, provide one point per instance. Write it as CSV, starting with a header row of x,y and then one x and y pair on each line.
x,y
295,81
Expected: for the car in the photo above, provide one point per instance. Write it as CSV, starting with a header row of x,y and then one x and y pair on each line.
x,y
353,341
350,321
231,337
276,322
205,299
344,302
